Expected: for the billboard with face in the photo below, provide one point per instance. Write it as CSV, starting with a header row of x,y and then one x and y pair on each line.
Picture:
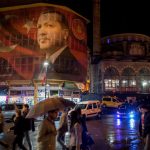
x,y
32,34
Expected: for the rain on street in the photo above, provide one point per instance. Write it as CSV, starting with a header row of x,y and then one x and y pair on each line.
x,y
114,132
111,132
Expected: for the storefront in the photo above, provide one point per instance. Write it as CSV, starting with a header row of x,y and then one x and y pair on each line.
x,y
33,94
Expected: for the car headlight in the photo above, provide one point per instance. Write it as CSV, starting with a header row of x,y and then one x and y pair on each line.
x,y
131,114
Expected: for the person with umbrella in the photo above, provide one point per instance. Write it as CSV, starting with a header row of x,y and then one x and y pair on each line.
x,y
47,132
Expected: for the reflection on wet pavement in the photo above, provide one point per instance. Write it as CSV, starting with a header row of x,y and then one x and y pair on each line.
x,y
122,133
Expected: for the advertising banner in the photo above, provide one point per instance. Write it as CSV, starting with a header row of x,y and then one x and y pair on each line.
x,y
31,34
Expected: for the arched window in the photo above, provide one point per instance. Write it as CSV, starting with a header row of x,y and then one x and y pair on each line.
x,y
128,80
144,80
111,79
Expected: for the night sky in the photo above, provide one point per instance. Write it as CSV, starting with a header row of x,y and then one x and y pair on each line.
x,y
120,16
117,16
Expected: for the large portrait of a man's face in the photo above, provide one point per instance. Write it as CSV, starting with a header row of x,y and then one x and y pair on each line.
x,y
31,35
52,30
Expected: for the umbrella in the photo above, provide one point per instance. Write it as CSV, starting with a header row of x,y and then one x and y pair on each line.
x,y
49,104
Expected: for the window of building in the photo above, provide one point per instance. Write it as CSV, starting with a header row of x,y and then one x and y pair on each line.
x,y
144,80
111,79
128,80
111,84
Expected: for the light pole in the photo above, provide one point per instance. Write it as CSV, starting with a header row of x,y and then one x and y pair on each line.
x,y
45,66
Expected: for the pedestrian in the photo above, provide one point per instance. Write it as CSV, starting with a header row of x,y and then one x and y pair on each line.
x,y
47,132
67,134
3,143
1,121
75,132
18,128
144,126
86,137
141,123
29,125
146,133
82,118
63,128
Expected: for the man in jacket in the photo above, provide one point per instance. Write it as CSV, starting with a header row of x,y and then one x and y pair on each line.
x,y
144,125
146,134
18,128
47,132
141,123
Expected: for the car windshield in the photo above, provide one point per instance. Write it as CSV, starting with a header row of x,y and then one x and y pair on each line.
x,y
122,107
82,106
8,107
106,99
19,106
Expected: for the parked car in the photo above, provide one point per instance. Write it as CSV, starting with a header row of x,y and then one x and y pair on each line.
x,y
8,110
109,101
90,108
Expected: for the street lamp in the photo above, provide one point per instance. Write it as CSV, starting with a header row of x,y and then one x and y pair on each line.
x,y
45,66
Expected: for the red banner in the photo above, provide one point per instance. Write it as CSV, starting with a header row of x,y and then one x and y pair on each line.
x,y
31,34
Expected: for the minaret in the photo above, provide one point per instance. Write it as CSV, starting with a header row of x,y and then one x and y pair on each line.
x,y
96,27
94,81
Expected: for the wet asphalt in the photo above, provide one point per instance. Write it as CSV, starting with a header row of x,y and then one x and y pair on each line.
x,y
111,132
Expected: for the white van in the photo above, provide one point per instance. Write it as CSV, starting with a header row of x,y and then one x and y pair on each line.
x,y
90,108
8,110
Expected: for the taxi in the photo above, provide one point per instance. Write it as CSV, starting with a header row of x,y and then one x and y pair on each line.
x,y
110,101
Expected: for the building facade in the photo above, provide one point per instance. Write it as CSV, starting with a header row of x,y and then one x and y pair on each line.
x,y
27,40
124,65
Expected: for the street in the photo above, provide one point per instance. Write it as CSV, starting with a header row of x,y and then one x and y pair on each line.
x,y
109,133
112,133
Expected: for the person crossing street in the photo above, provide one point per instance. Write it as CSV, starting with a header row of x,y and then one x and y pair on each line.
x,y
29,125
